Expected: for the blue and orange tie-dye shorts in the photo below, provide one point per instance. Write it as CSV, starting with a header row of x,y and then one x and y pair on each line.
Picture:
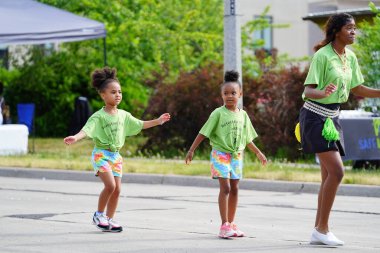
x,y
107,161
226,165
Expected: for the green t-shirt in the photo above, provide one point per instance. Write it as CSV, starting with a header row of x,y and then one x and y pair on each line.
x,y
228,131
109,131
326,67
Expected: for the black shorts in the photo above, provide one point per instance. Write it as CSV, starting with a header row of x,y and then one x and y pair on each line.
x,y
311,125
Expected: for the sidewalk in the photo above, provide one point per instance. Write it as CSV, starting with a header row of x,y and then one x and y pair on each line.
x,y
246,184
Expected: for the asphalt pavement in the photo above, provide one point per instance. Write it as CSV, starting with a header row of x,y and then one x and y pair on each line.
x,y
39,213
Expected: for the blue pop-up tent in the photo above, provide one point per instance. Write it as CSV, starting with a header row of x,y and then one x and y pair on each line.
x,y
31,22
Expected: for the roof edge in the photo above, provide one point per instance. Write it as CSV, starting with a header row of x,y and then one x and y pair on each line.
x,y
354,12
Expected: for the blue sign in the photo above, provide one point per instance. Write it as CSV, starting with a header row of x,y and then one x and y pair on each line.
x,y
361,138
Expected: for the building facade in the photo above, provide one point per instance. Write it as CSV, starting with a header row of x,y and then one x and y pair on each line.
x,y
299,38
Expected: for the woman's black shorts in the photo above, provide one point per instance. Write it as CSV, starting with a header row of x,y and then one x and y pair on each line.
x,y
311,125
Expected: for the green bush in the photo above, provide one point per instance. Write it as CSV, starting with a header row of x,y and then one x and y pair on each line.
x,y
52,86
189,100
272,102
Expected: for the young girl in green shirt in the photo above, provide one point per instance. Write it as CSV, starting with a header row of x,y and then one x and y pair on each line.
x,y
108,128
230,130
334,73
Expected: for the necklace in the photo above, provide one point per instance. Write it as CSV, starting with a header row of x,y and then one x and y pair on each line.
x,y
343,58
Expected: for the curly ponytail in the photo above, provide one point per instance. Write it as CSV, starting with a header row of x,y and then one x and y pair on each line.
x,y
100,78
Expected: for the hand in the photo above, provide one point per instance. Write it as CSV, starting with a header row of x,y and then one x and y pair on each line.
x,y
70,140
164,118
262,158
189,157
330,89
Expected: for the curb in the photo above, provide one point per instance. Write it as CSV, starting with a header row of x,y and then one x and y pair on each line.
x,y
197,181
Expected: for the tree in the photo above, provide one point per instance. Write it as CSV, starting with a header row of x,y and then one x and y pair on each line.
x,y
368,53
143,36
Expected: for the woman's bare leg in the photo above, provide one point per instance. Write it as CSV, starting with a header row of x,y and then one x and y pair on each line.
x,y
324,174
333,164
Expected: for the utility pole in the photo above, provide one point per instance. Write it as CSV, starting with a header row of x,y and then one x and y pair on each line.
x,y
232,40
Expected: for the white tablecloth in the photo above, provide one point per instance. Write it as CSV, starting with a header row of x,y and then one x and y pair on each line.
x,y
13,139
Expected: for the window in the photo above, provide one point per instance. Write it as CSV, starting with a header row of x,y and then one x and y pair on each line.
x,y
265,34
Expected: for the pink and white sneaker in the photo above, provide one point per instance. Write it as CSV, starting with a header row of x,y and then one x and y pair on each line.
x,y
101,221
114,226
238,232
226,231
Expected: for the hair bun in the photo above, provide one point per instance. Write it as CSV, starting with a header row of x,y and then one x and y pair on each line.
x,y
109,73
100,77
231,76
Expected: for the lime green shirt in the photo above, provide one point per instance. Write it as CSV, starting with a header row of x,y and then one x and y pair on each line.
x,y
109,131
326,67
228,131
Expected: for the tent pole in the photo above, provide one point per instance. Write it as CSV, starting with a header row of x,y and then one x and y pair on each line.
x,y
104,51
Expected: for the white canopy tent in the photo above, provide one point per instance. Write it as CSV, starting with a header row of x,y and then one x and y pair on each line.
x,y
31,22
28,22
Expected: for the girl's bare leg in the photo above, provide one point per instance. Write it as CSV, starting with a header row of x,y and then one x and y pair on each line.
x,y
109,187
114,199
224,191
233,199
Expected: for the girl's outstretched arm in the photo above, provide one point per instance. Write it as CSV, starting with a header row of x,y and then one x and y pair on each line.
x,y
364,91
74,138
161,120
258,153
190,153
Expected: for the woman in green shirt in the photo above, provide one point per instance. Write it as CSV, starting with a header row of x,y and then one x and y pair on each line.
x,y
334,73
108,128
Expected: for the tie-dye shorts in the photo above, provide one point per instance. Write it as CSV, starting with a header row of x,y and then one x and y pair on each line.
x,y
226,165
105,161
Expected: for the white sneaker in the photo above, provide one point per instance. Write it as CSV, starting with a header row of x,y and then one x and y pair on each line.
x,y
327,239
335,238
238,232
226,231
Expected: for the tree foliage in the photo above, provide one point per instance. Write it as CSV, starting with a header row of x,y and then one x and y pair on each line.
x,y
368,49
368,52
143,36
